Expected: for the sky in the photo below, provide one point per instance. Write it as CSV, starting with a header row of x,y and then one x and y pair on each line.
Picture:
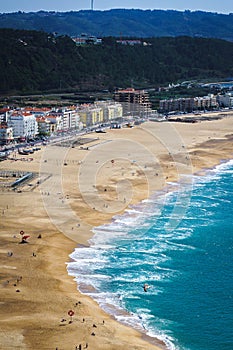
x,y
220,6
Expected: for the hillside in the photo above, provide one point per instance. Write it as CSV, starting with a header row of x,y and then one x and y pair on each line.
x,y
123,22
32,61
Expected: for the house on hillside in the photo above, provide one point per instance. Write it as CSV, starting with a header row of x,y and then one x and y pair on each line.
x,y
85,39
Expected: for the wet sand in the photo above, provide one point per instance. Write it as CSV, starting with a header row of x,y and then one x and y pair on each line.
x,y
79,189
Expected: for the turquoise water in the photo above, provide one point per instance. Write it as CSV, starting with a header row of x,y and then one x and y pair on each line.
x,y
189,268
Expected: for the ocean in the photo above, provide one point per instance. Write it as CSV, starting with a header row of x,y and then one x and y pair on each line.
x,y
188,265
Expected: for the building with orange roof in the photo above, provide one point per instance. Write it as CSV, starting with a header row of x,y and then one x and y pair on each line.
x,y
37,110
24,124
6,134
70,118
133,101
44,127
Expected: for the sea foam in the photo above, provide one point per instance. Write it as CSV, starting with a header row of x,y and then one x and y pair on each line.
x,y
136,248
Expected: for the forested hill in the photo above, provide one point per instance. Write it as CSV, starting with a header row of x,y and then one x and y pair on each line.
x,y
123,22
32,61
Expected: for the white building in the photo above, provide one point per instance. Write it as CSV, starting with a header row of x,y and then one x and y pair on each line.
x,y
70,118
225,100
6,134
44,125
188,104
23,124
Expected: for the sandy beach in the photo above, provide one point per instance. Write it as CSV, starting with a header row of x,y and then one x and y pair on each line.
x,y
75,189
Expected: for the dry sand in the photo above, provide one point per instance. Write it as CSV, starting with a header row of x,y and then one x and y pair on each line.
x,y
80,189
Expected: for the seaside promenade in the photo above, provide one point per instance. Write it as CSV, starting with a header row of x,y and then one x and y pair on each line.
x,y
74,190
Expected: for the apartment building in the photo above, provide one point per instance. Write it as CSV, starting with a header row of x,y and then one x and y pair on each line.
x,y
23,123
225,100
111,110
55,122
135,102
44,125
6,134
66,117
90,115
4,113
188,104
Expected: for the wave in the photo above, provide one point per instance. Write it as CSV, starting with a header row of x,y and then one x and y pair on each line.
x,y
136,248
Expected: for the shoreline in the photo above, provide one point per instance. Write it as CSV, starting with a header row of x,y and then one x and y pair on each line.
x,y
114,311
152,339
47,291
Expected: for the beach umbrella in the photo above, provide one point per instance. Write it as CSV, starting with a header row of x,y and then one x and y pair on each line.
x,y
25,237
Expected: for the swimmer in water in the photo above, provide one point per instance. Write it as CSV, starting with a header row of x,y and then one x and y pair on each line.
x,y
146,287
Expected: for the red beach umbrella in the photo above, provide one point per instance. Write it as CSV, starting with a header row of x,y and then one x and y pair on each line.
x,y
25,237
71,314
